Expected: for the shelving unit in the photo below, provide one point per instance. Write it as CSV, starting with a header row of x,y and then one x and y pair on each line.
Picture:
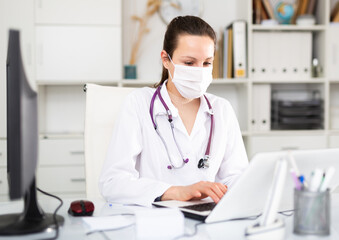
x,y
60,77
270,140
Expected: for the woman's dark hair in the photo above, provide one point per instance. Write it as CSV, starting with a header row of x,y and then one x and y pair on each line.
x,y
182,25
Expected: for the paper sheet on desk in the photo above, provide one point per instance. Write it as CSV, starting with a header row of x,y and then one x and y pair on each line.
x,y
160,223
95,224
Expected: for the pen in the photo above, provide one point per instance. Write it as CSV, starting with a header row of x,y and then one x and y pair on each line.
x,y
294,165
326,181
296,180
303,181
316,180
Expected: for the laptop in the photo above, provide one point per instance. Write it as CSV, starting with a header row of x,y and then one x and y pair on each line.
x,y
248,195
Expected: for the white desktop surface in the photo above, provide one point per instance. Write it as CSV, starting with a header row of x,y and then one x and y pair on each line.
x,y
73,227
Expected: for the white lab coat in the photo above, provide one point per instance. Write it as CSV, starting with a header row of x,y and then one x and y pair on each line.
x,y
135,170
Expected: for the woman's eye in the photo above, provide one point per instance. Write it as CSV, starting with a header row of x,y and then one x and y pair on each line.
x,y
189,63
207,64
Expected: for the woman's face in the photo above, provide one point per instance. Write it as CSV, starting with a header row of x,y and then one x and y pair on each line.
x,y
192,50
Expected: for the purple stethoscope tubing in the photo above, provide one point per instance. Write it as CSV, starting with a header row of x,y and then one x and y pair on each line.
x,y
203,163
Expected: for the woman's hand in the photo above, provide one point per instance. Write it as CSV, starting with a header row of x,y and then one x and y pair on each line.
x,y
196,191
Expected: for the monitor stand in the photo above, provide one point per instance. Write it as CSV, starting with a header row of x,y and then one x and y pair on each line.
x,y
31,220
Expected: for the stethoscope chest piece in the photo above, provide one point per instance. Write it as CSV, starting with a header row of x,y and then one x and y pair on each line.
x,y
204,162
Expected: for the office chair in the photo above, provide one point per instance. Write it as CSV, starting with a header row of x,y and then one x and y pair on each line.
x,y
102,107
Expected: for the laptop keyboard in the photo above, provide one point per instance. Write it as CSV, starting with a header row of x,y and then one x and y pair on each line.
x,y
201,207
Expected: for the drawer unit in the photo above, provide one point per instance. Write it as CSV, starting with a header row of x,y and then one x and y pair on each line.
x,y
63,179
61,152
78,12
334,141
3,153
72,53
3,181
279,143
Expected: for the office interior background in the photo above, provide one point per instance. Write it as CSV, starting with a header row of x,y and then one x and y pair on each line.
x,y
67,43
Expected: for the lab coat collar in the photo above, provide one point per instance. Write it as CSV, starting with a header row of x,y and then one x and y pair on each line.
x,y
159,109
204,106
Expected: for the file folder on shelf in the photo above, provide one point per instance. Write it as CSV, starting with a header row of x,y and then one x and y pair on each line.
x,y
282,55
239,49
261,107
228,53
333,59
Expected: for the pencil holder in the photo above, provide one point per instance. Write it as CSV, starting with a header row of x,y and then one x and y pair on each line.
x,y
311,212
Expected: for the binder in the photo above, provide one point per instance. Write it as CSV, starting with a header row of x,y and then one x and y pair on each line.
x,y
257,5
283,55
311,7
265,107
260,54
333,50
334,11
239,49
228,52
269,9
255,108
305,53
304,6
261,107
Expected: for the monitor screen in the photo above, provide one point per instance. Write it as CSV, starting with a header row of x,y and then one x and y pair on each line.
x,y
22,124
22,149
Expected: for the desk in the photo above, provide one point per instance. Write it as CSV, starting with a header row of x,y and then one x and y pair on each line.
x,y
73,228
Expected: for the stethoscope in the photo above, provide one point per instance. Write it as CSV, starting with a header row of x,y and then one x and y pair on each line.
x,y
203,162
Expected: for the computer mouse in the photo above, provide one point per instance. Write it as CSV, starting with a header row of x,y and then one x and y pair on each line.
x,y
81,208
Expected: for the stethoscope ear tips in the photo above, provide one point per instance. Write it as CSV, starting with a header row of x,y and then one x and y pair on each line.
x,y
186,160
169,167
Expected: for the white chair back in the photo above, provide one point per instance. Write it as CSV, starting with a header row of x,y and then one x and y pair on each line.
x,y
103,104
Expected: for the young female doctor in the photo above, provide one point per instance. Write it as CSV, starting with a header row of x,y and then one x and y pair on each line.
x,y
175,141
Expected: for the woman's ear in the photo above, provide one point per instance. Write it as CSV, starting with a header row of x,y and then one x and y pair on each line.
x,y
164,59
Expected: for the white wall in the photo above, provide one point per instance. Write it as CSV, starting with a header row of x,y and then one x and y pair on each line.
x,y
218,13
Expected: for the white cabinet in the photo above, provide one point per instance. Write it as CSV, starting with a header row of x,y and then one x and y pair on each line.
x,y
334,141
3,153
61,165
3,53
66,152
333,52
78,12
3,181
78,53
3,170
62,109
19,15
77,41
60,179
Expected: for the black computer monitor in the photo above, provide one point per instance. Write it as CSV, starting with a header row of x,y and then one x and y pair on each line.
x,y
22,148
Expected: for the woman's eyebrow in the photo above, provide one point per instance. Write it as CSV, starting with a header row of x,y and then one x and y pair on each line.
x,y
209,58
189,57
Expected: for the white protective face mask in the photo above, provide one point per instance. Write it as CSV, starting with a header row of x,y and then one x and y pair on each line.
x,y
191,82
